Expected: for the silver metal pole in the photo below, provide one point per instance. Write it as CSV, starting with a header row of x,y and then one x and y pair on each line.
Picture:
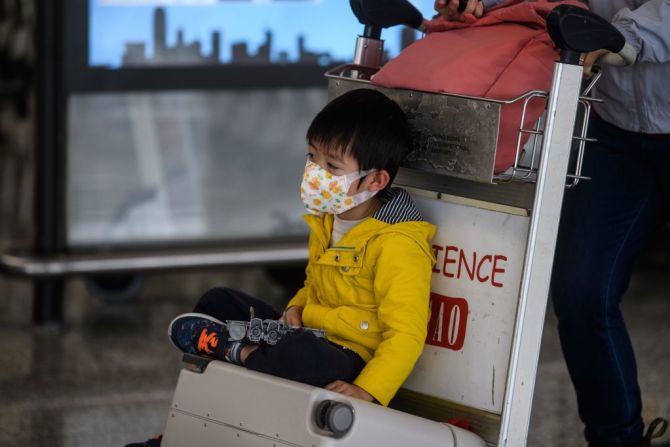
x,y
368,51
561,112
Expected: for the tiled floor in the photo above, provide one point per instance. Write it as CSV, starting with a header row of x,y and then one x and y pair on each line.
x,y
106,377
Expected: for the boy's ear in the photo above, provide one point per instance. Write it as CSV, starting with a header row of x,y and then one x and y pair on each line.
x,y
378,180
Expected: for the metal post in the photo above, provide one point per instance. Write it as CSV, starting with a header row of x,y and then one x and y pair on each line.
x,y
368,51
559,128
49,157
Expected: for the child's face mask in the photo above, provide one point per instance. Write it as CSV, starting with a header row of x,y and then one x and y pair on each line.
x,y
323,192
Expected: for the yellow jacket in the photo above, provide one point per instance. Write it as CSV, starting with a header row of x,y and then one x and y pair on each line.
x,y
370,293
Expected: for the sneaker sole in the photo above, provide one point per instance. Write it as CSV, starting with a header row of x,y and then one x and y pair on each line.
x,y
191,314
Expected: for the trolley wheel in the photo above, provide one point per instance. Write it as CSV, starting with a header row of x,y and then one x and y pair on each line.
x,y
115,288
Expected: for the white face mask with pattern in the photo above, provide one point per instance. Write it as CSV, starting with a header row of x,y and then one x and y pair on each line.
x,y
323,192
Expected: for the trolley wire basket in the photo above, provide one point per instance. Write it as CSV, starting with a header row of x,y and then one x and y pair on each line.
x,y
460,135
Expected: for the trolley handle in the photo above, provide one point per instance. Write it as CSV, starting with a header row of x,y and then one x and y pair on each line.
x,y
378,14
375,15
575,30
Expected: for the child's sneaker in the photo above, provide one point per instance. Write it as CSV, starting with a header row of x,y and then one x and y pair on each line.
x,y
199,334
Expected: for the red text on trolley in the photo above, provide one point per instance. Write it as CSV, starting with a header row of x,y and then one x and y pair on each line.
x,y
448,321
454,262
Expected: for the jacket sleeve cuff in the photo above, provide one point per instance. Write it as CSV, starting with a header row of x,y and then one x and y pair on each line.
x,y
631,37
296,302
383,392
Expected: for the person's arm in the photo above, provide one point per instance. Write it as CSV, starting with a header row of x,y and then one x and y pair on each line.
x,y
402,289
293,310
646,29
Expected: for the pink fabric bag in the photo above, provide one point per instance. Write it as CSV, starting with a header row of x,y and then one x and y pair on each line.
x,y
499,56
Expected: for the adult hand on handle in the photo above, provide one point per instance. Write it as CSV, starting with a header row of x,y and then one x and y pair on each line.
x,y
588,59
626,56
448,9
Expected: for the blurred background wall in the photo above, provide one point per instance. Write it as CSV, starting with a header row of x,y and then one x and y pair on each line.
x,y
131,129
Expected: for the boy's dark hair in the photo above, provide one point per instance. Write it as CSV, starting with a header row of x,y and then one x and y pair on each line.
x,y
365,124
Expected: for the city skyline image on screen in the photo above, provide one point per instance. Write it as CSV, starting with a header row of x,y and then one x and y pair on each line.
x,y
134,33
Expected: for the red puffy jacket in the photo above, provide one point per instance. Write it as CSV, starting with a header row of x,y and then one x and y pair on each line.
x,y
499,56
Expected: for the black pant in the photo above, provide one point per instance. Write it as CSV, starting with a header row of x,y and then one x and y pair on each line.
x,y
300,356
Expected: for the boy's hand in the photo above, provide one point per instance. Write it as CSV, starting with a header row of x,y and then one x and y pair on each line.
x,y
293,316
448,9
349,389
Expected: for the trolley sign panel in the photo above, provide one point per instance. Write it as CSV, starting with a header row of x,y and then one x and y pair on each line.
x,y
474,296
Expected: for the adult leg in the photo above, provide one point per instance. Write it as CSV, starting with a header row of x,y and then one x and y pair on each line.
x,y
603,226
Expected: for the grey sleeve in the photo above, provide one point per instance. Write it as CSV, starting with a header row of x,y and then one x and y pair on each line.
x,y
647,29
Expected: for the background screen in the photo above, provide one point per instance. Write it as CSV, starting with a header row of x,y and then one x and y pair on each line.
x,y
190,161
210,32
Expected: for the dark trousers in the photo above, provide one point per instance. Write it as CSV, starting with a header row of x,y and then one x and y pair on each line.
x,y
604,224
300,356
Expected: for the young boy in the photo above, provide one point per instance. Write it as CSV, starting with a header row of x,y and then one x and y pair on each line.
x,y
369,268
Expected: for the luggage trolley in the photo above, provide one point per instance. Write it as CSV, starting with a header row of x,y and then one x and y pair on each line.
x,y
495,246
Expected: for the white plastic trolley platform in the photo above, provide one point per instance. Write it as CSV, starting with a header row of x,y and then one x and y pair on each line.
x,y
495,248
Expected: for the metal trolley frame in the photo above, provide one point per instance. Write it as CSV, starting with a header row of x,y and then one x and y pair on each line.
x,y
539,181
535,184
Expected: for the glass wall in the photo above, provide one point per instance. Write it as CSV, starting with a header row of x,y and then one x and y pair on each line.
x,y
186,118
147,167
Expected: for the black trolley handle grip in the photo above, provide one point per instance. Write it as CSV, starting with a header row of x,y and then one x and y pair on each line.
x,y
576,30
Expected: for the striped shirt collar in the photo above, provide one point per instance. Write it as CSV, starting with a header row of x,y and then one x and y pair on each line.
x,y
397,207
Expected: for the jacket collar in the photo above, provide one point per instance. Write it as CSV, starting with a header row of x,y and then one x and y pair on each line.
x,y
397,207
